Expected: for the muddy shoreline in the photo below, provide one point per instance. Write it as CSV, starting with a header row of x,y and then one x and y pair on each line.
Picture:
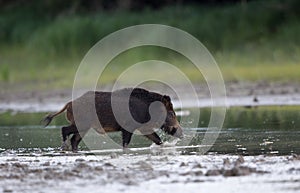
x,y
233,89
149,173
238,94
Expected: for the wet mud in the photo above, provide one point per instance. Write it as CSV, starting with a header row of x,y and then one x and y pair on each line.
x,y
138,173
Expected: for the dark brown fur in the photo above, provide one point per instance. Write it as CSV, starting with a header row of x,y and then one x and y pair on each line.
x,y
94,110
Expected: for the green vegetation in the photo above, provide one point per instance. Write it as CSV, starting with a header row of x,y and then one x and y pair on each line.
x,y
253,41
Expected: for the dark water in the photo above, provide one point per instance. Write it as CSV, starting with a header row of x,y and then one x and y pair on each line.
x,y
247,131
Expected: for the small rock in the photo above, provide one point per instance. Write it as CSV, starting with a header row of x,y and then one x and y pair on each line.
x,y
145,165
197,181
294,157
3,165
79,160
198,173
182,164
294,171
18,165
48,177
239,171
163,159
7,190
46,164
12,160
185,174
130,183
108,164
231,172
197,165
36,170
240,160
82,165
226,162
98,168
149,158
113,155
243,170
194,173
213,172
75,170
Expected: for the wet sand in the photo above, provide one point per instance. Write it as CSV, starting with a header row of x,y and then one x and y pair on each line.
x,y
148,173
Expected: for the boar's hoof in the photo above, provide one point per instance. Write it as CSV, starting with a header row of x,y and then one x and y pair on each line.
x,y
159,143
126,150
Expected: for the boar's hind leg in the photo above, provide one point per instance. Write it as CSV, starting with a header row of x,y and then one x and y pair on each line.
x,y
154,137
126,137
66,131
75,140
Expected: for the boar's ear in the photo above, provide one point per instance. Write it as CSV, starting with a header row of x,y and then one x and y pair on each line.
x,y
166,99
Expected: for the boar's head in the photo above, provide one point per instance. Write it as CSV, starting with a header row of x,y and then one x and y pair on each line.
x,y
171,126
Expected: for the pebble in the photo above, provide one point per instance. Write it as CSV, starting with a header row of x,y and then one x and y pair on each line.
x,y
182,164
113,155
213,172
46,164
144,165
7,190
79,160
240,160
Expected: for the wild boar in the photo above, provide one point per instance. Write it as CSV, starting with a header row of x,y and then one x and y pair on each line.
x,y
124,110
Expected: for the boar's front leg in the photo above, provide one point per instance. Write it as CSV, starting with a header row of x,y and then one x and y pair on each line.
x,y
154,137
75,140
126,137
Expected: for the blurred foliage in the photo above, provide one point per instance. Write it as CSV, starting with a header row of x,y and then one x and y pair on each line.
x,y
70,25
44,41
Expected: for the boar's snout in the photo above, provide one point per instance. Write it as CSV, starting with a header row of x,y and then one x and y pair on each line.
x,y
171,125
175,131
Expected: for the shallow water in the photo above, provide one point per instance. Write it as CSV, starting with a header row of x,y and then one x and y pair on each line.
x,y
247,131
269,137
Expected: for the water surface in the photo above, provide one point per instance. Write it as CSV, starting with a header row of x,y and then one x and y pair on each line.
x,y
247,131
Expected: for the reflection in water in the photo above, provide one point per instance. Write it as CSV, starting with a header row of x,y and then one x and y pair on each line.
x,y
261,130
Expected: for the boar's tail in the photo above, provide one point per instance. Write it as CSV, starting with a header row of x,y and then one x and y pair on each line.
x,y
47,120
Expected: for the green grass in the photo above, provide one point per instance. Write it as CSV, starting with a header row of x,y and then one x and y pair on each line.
x,y
43,51
33,72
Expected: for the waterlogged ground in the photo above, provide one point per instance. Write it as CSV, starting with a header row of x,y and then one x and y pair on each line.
x,y
237,163
57,172
257,151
